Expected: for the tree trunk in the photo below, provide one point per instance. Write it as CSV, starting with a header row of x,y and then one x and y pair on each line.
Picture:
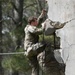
x,y
17,13
1,69
15,73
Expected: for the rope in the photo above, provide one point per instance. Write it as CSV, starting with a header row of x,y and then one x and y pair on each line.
x,y
54,34
12,53
69,20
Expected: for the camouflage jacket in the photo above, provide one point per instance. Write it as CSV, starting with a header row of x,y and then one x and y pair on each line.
x,y
31,35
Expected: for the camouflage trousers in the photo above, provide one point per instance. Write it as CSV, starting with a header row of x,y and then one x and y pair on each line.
x,y
32,53
34,49
34,65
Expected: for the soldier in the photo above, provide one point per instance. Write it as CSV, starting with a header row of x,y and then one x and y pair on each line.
x,y
31,44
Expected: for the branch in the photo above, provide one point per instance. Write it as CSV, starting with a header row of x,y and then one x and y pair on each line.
x,y
30,5
12,19
14,6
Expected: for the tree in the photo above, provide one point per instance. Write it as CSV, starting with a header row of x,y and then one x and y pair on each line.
x,y
17,19
15,14
1,69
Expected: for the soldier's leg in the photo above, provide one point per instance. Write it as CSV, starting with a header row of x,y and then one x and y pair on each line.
x,y
35,49
38,48
34,64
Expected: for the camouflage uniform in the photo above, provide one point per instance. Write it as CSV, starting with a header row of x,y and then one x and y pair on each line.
x,y
32,45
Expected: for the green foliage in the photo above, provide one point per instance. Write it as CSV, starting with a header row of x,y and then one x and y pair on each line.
x,y
19,31
16,63
47,38
31,8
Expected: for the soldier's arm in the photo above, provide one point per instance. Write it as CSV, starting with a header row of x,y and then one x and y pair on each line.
x,y
43,15
40,17
36,30
57,25
39,31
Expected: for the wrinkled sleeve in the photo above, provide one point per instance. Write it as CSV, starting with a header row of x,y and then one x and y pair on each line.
x,y
35,30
